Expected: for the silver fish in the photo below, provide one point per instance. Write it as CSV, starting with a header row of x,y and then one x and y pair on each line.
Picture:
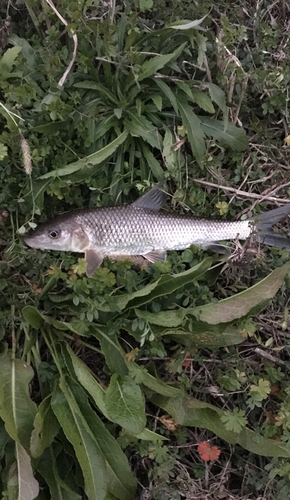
x,y
140,229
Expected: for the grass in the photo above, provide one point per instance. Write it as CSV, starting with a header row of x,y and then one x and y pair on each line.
x,y
127,372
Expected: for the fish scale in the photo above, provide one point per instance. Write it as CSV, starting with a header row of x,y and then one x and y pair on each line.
x,y
142,229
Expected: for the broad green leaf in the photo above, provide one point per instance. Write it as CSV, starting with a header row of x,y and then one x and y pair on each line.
x,y
201,42
125,403
171,156
120,480
168,93
111,349
26,50
148,435
186,25
32,316
77,431
217,95
150,67
145,5
7,62
239,305
28,487
229,133
51,127
88,382
152,382
153,164
165,285
197,96
202,100
170,319
157,99
188,411
205,335
101,90
47,468
93,159
139,126
16,408
121,301
193,127
4,439
46,427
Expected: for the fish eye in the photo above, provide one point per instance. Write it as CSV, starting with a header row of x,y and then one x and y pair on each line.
x,y
54,234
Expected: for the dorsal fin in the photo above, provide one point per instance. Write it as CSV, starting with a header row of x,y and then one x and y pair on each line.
x,y
153,199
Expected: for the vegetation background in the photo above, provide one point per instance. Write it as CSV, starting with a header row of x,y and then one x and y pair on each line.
x,y
170,381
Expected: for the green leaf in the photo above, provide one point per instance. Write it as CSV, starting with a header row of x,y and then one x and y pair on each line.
x,y
111,349
153,164
205,335
228,133
157,99
165,285
186,25
51,127
145,5
47,467
7,62
93,442
168,93
148,435
239,305
139,126
263,389
150,67
235,421
88,382
3,151
151,382
101,90
125,403
202,100
197,96
193,127
16,408
26,50
32,316
217,95
77,431
28,487
91,160
188,411
170,319
46,427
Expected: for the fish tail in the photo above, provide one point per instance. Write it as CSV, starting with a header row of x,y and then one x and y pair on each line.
x,y
263,227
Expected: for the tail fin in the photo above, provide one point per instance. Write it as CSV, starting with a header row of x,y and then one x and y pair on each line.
x,y
263,225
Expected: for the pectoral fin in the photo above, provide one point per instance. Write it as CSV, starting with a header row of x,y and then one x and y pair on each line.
x,y
94,260
155,256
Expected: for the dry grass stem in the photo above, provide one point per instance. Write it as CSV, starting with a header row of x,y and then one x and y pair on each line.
x,y
75,39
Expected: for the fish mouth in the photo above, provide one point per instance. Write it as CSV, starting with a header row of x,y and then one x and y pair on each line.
x,y
30,241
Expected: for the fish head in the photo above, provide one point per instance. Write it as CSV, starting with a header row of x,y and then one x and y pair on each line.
x,y
58,235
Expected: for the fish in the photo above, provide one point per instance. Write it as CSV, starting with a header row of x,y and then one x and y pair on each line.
x,y
143,229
